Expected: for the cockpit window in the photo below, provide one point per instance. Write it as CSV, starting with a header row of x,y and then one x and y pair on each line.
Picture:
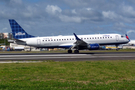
x,y
122,36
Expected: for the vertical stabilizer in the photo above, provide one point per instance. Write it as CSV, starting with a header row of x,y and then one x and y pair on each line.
x,y
17,31
127,37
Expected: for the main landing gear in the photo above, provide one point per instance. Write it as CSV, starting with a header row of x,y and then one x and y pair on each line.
x,y
69,51
75,51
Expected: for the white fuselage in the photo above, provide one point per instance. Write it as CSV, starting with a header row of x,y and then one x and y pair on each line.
x,y
68,41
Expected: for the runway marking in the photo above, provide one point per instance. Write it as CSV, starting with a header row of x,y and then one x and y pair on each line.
x,y
117,56
34,57
43,55
66,57
20,61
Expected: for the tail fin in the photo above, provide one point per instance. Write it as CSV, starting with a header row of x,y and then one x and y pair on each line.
x,y
127,37
17,31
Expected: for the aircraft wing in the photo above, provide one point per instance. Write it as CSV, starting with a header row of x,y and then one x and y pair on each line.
x,y
79,41
79,44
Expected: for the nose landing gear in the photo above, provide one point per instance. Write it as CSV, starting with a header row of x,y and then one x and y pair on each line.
x,y
117,47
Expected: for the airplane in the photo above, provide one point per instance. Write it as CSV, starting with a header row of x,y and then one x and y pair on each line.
x,y
131,43
71,42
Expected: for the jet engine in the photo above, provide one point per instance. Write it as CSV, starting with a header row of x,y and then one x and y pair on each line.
x,y
94,46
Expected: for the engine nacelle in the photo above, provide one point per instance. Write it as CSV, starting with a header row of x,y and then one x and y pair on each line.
x,y
94,46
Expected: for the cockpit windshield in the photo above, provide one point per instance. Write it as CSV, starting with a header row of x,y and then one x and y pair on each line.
x,y
122,36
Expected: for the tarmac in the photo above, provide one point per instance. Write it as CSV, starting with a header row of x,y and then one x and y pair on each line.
x,y
67,57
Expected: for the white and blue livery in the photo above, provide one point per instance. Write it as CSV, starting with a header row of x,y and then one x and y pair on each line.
x,y
71,42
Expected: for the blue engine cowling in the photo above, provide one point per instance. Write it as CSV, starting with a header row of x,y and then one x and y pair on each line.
x,y
93,46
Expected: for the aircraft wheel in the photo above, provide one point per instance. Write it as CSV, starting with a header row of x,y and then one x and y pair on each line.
x,y
69,51
76,51
117,49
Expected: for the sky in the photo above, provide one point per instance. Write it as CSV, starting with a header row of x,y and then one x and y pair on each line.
x,y
65,17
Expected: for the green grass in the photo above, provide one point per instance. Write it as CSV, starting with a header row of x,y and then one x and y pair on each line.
x,y
84,75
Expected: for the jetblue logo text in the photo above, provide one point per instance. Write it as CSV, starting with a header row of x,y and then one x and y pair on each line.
x,y
19,33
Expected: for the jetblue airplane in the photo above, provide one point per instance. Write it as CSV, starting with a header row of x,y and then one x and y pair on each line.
x,y
72,42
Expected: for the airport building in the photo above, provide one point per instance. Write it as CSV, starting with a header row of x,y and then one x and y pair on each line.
x,y
6,36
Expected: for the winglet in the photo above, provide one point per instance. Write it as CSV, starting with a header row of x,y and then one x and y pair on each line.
x,y
76,37
127,37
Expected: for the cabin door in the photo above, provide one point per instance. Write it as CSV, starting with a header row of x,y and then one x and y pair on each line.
x,y
38,42
117,38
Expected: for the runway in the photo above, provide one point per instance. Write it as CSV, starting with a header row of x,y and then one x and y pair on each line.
x,y
68,57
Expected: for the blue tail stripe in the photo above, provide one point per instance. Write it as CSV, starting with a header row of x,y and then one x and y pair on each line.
x,y
17,31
